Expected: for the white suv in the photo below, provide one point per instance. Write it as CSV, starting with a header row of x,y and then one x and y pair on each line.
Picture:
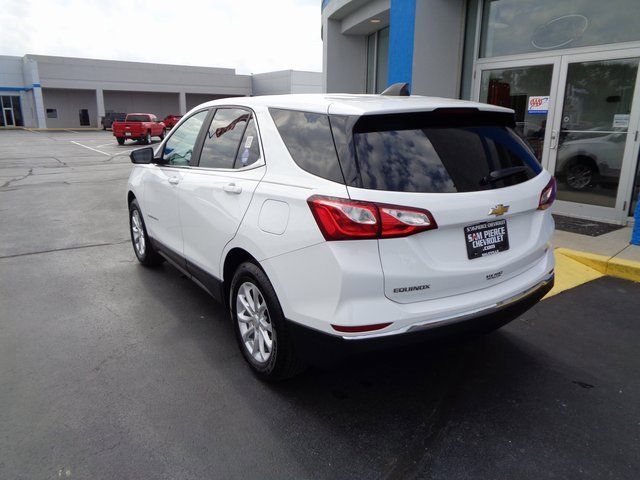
x,y
346,222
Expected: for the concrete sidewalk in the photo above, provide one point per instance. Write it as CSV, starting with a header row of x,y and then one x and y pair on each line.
x,y
613,245
581,258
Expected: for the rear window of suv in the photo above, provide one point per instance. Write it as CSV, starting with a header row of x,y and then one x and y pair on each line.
x,y
441,152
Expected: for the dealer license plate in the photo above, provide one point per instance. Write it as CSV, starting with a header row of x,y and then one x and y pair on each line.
x,y
487,238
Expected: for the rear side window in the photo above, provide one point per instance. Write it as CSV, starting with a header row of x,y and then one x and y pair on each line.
x,y
308,138
249,151
440,155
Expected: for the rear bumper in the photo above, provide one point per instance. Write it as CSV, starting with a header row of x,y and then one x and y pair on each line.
x,y
316,346
131,134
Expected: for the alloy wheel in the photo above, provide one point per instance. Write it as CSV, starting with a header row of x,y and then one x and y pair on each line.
x,y
137,232
579,176
254,322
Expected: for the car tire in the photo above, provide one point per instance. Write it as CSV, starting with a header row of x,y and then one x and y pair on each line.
x,y
580,175
142,246
253,328
164,132
120,140
147,138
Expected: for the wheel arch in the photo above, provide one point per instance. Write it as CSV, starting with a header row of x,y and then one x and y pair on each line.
x,y
233,259
582,158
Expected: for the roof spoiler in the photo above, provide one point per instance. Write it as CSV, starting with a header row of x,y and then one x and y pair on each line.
x,y
397,90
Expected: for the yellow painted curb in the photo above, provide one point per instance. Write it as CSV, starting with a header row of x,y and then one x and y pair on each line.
x,y
592,260
614,267
570,273
621,268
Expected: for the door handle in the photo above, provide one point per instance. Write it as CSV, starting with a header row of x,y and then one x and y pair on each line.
x,y
232,188
554,139
173,180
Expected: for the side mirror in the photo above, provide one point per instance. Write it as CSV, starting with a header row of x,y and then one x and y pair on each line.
x,y
142,155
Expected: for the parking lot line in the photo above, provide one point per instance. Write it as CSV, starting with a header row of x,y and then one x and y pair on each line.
x,y
90,148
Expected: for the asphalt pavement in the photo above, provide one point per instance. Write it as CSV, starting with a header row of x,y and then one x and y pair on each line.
x,y
111,370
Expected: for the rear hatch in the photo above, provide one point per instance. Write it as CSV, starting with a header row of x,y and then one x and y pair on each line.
x,y
476,177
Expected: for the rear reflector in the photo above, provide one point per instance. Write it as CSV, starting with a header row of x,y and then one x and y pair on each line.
x,y
548,195
360,328
345,219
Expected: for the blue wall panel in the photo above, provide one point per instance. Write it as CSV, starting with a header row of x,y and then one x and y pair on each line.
x,y
402,24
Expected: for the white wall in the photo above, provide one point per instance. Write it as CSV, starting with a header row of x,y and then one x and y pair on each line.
x,y
271,83
160,104
75,83
344,60
437,48
11,76
286,81
306,82
62,72
195,99
68,103
11,72
345,26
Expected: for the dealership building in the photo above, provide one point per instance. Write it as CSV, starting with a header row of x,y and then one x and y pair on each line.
x,y
49,92
569,69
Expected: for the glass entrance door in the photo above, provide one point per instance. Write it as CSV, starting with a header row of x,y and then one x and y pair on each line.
x,y
8,117
529,88
593,136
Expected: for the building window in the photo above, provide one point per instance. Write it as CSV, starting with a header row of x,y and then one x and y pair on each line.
x,y
523,26
377,60
52,113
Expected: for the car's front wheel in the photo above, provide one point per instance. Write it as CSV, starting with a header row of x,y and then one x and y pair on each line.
x,y
260,325
580,175
142,246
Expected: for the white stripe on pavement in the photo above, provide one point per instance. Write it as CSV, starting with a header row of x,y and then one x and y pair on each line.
x,y
91,148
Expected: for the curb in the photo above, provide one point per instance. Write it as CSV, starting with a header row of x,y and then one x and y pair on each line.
x,y
614,267
61,129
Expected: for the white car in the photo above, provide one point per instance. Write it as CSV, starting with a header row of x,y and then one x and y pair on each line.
x,y
338,223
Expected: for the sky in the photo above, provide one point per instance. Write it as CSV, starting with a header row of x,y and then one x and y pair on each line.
x,y
252,36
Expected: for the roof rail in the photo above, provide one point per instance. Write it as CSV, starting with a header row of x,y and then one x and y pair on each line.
x,y
400,89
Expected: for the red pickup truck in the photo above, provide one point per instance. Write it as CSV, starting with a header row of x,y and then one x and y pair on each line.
x,y
171,120
138,126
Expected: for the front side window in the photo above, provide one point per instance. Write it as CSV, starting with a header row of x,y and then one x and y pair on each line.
x,y
308,138
418,153
222,141
181,143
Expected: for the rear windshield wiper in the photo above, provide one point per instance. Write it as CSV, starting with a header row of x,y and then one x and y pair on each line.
x,y
502,173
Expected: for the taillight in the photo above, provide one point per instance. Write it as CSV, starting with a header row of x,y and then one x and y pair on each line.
x,y
548,195
344,219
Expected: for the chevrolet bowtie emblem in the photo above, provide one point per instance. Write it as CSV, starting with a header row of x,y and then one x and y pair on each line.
x,y
499,209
